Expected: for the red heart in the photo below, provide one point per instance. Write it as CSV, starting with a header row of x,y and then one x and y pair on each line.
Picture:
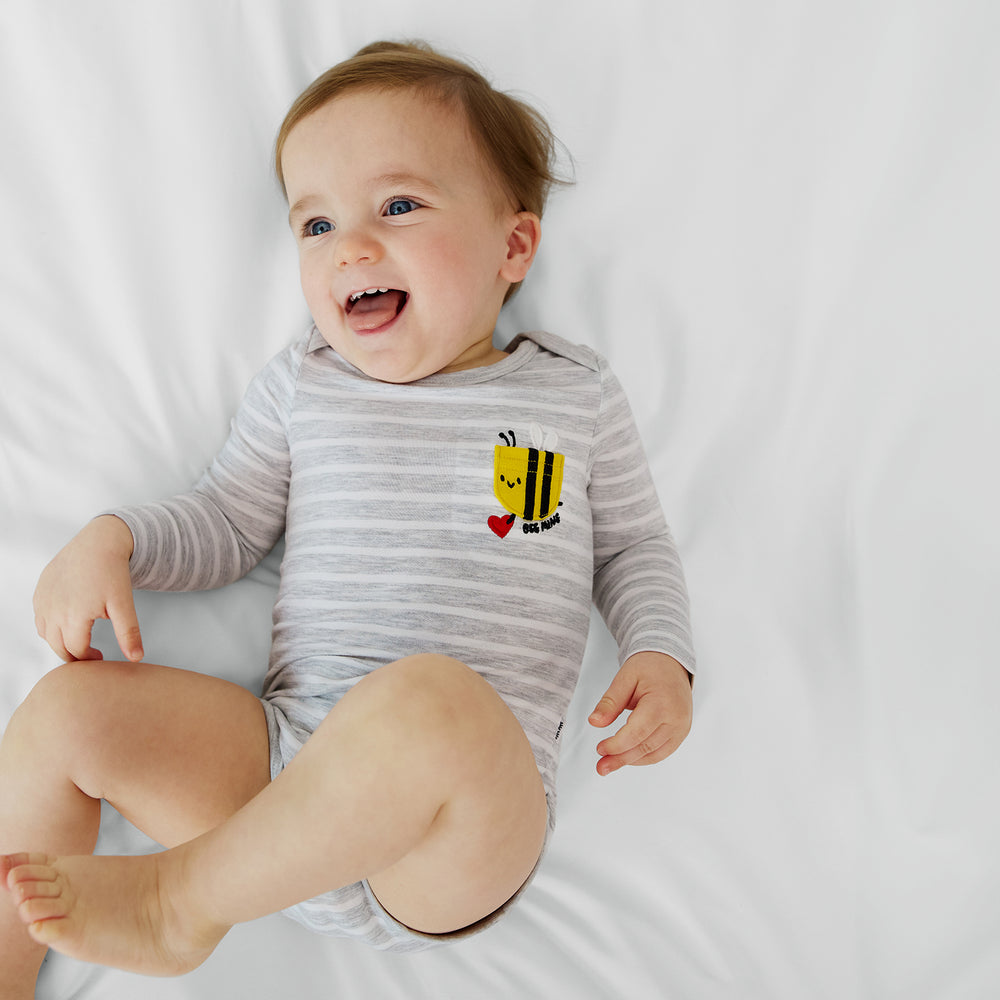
x,y
501,525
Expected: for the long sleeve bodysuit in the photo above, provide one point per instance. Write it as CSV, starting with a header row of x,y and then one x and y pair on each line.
x,y
475,514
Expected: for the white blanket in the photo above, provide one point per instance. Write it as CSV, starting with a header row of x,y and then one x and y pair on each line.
x,y
783,235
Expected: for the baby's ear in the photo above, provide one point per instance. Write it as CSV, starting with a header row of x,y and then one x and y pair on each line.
x,y
522,244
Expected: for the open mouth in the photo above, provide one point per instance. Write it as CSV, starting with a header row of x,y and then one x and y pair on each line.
x,y
373,308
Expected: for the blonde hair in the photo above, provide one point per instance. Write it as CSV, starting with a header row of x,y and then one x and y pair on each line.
x,y
513,139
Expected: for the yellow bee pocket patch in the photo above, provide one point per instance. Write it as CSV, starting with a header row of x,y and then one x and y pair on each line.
x,y
527,481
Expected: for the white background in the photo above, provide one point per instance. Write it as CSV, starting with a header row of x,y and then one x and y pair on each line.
x,y
783,235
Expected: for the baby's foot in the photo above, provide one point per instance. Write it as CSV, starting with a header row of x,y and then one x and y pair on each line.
x,y
115,911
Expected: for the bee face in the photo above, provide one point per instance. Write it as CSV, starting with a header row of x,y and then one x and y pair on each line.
x,y
527,481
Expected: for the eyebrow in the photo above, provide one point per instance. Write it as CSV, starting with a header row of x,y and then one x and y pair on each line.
x,y
301,207
394,179
404,180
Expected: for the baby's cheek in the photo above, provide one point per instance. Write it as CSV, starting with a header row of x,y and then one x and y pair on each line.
x,y
313,279
470,259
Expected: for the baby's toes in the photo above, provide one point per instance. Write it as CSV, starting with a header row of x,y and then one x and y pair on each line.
x,y
38,892
27,889
38,910
43,906
27,878
8,862
15,869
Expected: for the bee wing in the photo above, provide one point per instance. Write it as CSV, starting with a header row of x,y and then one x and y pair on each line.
x,y
551,440
537,436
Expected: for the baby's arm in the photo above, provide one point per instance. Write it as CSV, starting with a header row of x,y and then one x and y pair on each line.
x,y
218,531
205,538
640,591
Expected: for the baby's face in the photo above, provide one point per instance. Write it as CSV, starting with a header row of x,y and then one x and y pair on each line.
x,y
387,193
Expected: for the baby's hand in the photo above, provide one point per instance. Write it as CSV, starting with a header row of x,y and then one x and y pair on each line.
x,y
656,689
87,580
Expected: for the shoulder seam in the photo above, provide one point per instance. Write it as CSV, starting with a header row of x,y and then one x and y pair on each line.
x,y
296,353
579,353
601,367
302,349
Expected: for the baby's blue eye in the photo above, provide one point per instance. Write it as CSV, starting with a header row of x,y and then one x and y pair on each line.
x,y
400,206
318,227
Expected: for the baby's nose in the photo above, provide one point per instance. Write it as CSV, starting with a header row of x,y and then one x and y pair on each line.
x,y
357,247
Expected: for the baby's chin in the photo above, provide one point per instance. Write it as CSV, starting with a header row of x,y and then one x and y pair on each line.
x,y
385,367
392,355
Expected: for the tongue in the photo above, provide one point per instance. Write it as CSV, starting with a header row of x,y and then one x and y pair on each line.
x,y
373,311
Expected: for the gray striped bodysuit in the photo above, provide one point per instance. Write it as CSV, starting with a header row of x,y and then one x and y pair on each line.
x,y
475,514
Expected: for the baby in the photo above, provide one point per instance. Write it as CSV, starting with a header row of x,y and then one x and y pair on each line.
x,y
449,509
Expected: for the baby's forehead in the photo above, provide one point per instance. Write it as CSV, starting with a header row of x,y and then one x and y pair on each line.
x,y
438,112
444,130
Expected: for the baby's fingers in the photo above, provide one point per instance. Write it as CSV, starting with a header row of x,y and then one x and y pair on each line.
x,y
655,729
126,625
78,643
649,749
53,636
73,642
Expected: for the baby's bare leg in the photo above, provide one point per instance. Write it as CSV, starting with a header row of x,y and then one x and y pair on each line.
x,y
420,779
175,752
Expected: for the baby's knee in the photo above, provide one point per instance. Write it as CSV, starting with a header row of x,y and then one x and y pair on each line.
x,y
433,681
60,688
26,731
441,697
60,703
434,669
